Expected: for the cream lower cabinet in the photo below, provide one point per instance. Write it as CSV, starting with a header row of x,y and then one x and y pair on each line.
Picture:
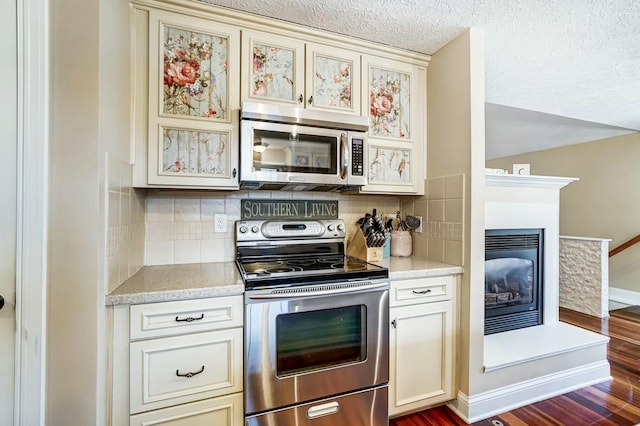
x,y
178,363
421,343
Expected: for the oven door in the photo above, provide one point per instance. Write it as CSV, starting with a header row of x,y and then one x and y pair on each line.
x,y
303,348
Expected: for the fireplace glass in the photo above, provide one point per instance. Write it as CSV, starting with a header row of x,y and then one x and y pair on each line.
x,y
512,279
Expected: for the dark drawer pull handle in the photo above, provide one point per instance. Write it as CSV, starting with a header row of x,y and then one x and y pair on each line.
x,y
189,374
189,319
427,291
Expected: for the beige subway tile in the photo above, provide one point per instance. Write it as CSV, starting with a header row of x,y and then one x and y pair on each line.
x,y
209,206
454,186
436,211
436,249
453,253
186,251
186,209
453,210
435,188
159,253
159,209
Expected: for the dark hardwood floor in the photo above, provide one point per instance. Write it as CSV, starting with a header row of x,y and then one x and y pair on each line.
x,y
613,403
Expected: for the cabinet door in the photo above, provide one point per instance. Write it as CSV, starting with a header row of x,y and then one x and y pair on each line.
x,y
395,100
272,68
333,79
193,102
222,411
421,356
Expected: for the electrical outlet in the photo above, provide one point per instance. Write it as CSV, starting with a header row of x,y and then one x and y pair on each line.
x,y
220,222
419,228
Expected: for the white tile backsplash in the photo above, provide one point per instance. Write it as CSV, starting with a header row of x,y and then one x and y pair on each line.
x,y
179,225
186,209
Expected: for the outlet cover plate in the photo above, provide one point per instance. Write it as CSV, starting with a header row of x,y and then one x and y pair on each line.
x,y
220,222
419,228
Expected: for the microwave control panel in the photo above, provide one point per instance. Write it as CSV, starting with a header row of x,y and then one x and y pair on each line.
x,y
357,157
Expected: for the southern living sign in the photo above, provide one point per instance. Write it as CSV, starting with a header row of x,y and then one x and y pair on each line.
x,y
288,209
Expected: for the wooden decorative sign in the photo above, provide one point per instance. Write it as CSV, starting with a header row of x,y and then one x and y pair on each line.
x,y
253,209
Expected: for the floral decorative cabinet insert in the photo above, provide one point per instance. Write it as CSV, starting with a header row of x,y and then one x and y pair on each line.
x,y
193,104
286,70
396,100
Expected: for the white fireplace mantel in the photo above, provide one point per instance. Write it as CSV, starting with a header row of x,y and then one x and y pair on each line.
x,y
528,181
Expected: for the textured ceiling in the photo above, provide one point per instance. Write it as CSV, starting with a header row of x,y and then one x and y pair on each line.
x,y
578,59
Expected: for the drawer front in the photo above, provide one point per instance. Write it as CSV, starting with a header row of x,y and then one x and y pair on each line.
x,y
185,316
222,411
175,370
421,290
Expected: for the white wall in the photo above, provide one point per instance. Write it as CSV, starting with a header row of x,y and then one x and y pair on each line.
x,y
88,165
455,145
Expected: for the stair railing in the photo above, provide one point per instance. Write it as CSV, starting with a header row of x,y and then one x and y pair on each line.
x,y
625,245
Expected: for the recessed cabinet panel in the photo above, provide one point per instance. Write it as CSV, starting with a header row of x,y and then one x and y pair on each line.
x,y
195,82
180,369
421,356
390,103
333,79
273,68
390,165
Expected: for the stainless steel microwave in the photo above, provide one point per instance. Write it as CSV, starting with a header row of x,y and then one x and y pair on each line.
x,y
297,149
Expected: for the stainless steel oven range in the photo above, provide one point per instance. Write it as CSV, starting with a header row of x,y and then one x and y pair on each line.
x,y
316,327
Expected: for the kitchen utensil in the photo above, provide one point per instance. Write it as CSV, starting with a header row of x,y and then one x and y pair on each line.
x,y
412,222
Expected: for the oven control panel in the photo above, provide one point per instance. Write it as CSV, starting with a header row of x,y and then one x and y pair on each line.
x,y
265,230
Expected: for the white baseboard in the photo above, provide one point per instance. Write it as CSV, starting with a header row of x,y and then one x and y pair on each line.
x,y
624,297
484,405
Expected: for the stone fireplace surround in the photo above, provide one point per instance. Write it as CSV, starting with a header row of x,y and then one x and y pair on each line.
x,y
534,363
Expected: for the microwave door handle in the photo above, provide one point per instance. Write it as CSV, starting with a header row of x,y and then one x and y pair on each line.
x,y
344,155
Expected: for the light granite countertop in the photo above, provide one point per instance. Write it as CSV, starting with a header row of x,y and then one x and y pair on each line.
x,y
199,280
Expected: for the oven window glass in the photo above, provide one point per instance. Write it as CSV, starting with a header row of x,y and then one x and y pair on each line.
x,y
284,152
307,341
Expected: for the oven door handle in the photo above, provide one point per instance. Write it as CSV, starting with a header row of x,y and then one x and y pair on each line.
x,y
321,291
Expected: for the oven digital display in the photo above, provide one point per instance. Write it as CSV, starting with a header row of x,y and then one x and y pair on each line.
x,y
294,227
308,341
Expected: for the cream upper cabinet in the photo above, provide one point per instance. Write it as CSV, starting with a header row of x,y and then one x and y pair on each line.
x,y
193,85
395,94
289,71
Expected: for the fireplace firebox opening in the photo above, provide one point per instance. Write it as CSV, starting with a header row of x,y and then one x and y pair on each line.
x,y
513,275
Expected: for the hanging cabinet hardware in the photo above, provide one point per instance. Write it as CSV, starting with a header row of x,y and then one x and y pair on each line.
x,y
427,291
394,323
301,98
310,100
189,374
189,319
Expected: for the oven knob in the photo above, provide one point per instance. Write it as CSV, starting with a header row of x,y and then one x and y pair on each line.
x,y
243,229
340,227
330,228
254,229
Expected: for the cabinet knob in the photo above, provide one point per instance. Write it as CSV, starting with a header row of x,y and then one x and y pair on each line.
x,y
1,302
310,100
234,172
394,324
300,99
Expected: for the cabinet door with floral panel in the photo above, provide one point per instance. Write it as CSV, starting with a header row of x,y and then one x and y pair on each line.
x,y
193,101
391,90
272,68
396,100
333,79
